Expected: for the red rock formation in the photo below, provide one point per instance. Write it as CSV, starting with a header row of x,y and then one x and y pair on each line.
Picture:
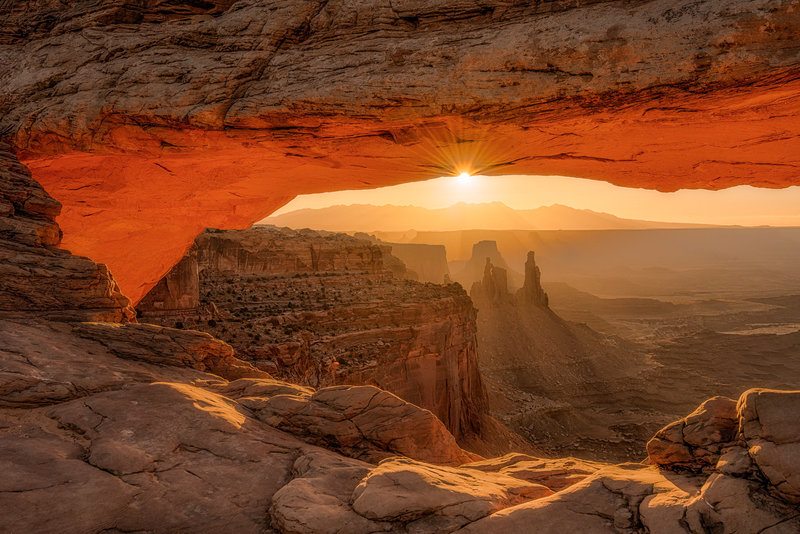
x,y
149,125
319,308
103,424
492,289
35,276
358,421
531,292
169,346
695,442
148,128
97,433
98,429
179,290
768,425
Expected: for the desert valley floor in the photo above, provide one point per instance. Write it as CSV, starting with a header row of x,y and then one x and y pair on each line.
x,y
169,365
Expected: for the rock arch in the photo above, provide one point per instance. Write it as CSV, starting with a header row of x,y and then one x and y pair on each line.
x,y
150,122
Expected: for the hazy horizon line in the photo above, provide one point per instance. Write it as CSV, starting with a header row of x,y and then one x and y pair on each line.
x,y
555,204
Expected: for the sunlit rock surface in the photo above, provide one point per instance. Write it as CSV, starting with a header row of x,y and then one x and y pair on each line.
x,y
695,442
101,441
120,427
769,424
322,308
362,422
151,122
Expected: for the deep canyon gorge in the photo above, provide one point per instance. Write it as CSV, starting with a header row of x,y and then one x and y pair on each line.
x,y
163,368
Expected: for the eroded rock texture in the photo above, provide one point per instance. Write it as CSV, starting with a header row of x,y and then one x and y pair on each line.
x,y
35,276
695,442
119,441
141,428
321,308
768,422
154,120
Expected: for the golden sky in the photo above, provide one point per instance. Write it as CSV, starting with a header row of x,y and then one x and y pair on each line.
x,y
742,205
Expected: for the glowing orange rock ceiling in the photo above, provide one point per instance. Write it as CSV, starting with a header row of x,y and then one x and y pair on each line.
x,y
152,123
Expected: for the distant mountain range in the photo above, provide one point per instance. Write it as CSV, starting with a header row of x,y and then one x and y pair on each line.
x,y
461,216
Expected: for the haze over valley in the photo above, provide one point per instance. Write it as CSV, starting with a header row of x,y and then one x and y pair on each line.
x,y
404,267
461,216
640,313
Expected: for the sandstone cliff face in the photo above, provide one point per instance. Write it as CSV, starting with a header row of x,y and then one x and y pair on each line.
x,y
319,308
140,428
151,121
35,276
428,261
531,292
179,290
267,250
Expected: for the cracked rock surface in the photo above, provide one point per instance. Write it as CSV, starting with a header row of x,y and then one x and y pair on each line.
x,y
769,424
126,440
112,427
695,442
150,121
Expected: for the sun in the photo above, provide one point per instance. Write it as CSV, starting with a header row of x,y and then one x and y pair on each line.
x,y
464,178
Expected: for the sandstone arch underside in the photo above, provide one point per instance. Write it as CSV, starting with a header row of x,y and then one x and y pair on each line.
x,y
150,121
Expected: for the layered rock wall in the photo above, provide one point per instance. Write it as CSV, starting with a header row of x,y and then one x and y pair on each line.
x,y
267,250
428,261
178,291
36,277
151,121
320,308
140,428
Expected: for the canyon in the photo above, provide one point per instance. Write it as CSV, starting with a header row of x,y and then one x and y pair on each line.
x,y
321,309
127,128
566,388
138,427
150,123
594,376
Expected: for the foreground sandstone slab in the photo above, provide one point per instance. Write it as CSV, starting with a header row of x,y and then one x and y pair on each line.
x,y
115,435
169,346
553,473
769,422
695,442
432,498
359,421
